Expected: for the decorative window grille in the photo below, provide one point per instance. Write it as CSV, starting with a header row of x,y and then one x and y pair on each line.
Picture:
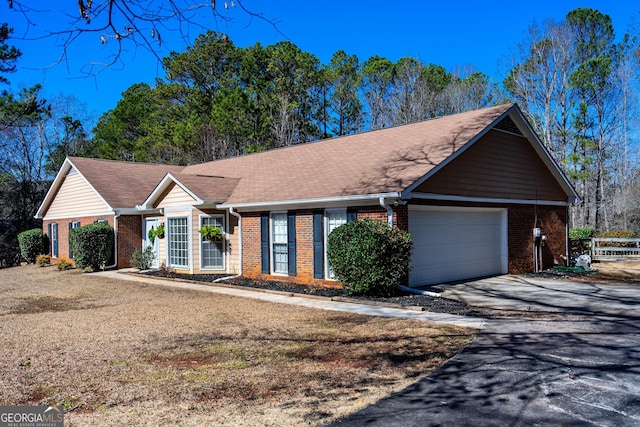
x,y
178,242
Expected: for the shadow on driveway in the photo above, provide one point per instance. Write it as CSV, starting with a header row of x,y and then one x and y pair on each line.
x,y
582,371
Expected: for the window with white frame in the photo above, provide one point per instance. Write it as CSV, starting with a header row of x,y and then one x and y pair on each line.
x,y
333,220
53,237
279,250
212,251
178,242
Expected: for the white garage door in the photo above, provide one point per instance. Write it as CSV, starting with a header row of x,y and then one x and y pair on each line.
x,y
456,243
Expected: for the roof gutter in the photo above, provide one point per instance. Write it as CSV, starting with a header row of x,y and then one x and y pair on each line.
x,y
306,202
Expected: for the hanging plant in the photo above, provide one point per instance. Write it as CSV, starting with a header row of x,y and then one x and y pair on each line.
x,y
211,232
156,232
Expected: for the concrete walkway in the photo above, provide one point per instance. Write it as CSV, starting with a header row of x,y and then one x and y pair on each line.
x,y
322,303
581,371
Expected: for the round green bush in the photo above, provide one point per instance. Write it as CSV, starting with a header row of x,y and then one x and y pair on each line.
x,y
369,257
31,244
92,245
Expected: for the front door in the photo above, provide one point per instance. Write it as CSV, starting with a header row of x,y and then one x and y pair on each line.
x,y
151,223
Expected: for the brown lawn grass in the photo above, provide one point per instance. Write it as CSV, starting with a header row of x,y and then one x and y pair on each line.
x,y
122,353
626,271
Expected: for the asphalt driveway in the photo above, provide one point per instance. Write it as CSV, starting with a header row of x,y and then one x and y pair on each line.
x,y
575,363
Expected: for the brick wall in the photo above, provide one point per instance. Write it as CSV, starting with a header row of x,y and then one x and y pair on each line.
x,y
552,223
521,221
63,231
129,238
129,234
372,212
401,217
251,250
304,246
251,259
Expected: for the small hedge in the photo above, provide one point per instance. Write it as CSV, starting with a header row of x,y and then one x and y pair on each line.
x,y
64,263
582,233
143,259
92,245
31,244
369,257
43,260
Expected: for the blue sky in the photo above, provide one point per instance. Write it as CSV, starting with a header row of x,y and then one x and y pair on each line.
x,y
452,34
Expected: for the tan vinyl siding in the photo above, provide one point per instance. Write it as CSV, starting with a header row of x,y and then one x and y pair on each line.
x,y
233,248
499,165
75,198
232,260
175,196
195,240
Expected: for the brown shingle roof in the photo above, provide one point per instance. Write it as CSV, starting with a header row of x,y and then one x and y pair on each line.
x,y
381,161
208,188
122,184
376,162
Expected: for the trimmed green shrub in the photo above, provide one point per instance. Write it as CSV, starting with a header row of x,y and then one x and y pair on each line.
x,y
143,259
580,239
31,244
369,257
581,233
92,245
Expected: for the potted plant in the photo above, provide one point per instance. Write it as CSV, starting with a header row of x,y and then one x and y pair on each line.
x,y
156,232
211,232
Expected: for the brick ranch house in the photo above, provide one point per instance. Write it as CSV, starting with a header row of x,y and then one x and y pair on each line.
x,y
469,187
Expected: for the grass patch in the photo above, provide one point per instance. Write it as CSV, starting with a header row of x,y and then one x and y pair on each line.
x,y
150,354
46,303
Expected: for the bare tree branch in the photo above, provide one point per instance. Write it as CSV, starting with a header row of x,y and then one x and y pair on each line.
x,y
127,23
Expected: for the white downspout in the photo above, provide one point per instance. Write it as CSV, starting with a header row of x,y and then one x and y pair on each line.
x,y
115,243
389,211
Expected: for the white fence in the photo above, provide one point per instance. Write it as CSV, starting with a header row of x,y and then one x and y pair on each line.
x,y
607,248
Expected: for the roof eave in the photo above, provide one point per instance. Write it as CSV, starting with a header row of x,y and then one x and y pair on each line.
x,y
161,187
57,182
545,155
48,198
333,201
516,115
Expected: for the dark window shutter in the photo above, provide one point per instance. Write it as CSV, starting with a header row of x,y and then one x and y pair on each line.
x,y
318,243
352,216
54,234
264,242
50,238
291,243
69,239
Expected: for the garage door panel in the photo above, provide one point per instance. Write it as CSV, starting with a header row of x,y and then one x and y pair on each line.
x,y
455,244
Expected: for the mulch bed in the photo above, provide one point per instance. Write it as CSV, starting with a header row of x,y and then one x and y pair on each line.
x,y
427,303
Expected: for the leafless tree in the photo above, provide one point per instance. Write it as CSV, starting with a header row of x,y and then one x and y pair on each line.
x,y
123,23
